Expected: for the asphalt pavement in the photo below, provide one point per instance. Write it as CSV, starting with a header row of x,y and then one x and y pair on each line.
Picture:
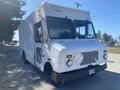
x,y
15,75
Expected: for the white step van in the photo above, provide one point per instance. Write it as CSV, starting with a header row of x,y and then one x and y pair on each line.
x,y
62,41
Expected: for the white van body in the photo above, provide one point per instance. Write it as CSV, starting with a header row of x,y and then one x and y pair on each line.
x,y
64,55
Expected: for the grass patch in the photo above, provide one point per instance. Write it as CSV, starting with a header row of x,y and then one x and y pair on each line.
x,y
114,50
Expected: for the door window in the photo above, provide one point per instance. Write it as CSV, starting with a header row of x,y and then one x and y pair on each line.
x,y
38,33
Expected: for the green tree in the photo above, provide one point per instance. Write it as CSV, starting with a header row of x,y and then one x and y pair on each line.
x,y
108,39
10,17
105,37
119,38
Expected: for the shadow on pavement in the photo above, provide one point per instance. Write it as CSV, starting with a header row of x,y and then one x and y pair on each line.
x,y
104,80
15,75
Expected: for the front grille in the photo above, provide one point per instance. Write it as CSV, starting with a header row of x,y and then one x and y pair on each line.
x,y
89,57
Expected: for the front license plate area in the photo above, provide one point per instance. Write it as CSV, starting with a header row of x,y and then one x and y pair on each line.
x,y
92,71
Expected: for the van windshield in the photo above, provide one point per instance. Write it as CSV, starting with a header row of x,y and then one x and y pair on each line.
x,y
84,29
60,28
63,28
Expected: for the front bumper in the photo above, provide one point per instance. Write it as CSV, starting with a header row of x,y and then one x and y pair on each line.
x,y
80,73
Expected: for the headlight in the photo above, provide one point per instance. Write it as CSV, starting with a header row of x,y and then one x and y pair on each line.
x,y
105,55
105,51
69,63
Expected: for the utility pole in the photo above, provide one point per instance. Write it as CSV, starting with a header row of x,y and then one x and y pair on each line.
x,y
78,5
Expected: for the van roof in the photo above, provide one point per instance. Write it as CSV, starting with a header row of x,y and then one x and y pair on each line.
x,y
44,4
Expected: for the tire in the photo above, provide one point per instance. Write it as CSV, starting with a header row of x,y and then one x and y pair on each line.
x,y
56,79
24,58
93,74
48,69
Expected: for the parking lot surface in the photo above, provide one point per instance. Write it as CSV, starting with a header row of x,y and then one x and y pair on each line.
x,y
15,75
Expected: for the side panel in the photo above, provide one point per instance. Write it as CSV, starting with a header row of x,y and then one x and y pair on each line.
x,y
26,35
34,50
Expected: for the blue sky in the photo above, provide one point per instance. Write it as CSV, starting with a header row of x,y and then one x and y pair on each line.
x,y
105,14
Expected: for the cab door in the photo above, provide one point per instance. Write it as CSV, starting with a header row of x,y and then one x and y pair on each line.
x,y
38,47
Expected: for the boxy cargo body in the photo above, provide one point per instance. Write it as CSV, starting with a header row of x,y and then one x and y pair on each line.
x,y
62,39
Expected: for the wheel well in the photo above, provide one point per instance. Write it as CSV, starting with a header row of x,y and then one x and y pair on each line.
x,y
23,53
48,68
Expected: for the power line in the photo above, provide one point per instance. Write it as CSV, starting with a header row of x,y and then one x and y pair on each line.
x,y
107,14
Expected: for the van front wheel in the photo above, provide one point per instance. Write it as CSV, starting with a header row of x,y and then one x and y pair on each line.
x,y
56,79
